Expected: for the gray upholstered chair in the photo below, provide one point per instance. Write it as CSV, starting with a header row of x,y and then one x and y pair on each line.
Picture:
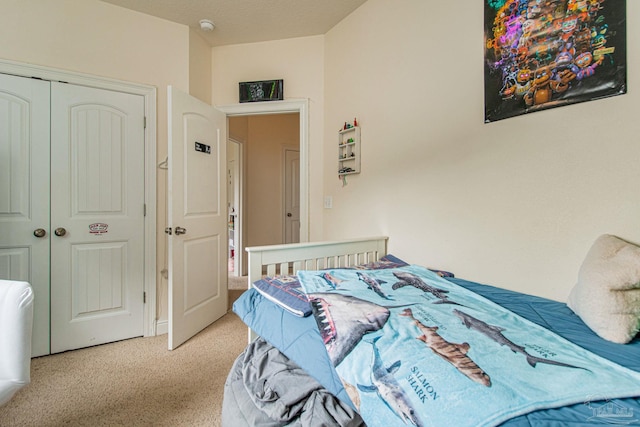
x,y
16,322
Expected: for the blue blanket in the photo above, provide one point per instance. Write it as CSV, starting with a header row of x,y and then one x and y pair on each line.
x,y
413,348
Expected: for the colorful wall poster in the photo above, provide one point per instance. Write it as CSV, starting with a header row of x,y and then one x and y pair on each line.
x,y
541,54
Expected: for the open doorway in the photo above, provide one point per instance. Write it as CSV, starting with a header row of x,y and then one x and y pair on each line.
x,y
261,197
300,106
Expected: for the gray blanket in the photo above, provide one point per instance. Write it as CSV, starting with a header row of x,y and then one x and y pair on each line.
x,y
265,388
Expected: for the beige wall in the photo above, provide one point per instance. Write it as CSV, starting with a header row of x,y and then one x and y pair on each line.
x,y
516,203
121,44
300,62
200,79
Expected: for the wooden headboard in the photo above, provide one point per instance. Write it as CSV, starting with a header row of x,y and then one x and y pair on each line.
x,y
290,258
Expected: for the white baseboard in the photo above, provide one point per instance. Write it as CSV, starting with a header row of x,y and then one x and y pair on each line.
x,y
162,327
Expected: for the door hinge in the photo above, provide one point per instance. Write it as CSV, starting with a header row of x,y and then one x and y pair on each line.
x,y
144,210
144,297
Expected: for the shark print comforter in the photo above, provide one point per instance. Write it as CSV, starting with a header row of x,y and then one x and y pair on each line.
x,y
412,348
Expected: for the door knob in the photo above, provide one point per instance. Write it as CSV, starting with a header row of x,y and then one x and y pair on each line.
x,y
180,230
39,232
60,231
289,214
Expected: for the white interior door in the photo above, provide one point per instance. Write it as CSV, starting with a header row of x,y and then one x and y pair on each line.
x,y
97,216
24,194
197,216
292,196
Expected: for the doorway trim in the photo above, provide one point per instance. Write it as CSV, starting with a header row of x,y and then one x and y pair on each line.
x,y
300,106
149,94
239,206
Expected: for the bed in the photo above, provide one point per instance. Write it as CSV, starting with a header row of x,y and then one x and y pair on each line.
x,y
533,363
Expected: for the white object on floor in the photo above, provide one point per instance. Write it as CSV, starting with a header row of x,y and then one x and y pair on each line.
x,y
16,323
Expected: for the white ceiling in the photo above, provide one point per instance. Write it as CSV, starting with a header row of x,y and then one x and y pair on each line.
x,y
249,21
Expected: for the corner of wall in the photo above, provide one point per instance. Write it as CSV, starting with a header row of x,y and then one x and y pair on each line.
x,y
200,65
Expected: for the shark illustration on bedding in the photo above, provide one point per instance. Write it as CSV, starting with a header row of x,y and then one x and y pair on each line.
x,y
331,280
455,354
495,333
344,320
409,279
451,357
373,284
385,384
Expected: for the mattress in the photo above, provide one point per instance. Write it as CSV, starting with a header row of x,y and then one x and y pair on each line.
x,y
299,339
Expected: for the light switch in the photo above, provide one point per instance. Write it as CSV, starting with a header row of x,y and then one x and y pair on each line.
x,y
328,202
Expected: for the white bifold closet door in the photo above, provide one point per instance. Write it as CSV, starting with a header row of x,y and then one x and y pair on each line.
x,y
24,193
72,209
97,198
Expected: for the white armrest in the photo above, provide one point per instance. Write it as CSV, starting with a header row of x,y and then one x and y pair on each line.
x,y
16,322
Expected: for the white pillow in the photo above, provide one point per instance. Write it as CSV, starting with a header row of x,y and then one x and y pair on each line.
x,y
607,295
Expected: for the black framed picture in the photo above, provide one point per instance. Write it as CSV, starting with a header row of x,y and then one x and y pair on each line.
x,y
549,53
265,90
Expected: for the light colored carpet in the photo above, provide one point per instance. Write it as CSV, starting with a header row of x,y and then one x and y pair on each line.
x,y
238,282
135,382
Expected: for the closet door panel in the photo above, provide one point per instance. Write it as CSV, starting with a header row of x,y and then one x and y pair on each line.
x,y
97,263
24,193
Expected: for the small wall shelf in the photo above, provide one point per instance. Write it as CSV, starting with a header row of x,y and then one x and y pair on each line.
x,y
349,151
